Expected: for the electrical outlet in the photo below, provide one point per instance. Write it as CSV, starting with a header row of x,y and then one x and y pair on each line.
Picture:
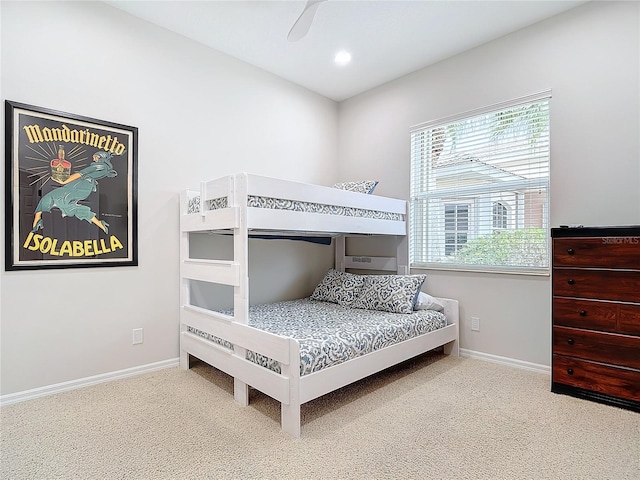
x,y
475,324
138,336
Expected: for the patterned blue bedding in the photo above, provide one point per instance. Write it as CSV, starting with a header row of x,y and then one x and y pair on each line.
x,y
330,334
297,206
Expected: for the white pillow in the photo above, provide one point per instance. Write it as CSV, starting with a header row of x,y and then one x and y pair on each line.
x,y
427,302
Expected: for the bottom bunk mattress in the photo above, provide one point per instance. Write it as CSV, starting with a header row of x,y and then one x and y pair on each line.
x,y
330,334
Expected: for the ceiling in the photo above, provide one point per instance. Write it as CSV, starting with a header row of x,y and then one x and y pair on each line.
x,y
387,38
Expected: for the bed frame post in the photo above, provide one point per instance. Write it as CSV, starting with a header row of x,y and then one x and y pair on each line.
x,y
184,283
452,312
340,249
290,412
238,197
402,250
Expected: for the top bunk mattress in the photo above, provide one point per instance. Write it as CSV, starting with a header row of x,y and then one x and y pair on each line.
x,y
296,206
330,334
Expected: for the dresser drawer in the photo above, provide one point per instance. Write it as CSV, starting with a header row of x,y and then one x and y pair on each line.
x,y
597,284
621,350
629,319
605,379
589,314
605,252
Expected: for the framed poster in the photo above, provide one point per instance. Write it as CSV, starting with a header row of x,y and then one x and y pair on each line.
x,y
70,192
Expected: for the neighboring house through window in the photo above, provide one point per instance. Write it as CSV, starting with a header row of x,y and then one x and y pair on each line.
x,y
479,188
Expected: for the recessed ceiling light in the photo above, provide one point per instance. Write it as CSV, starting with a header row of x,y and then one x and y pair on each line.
x,y
342,57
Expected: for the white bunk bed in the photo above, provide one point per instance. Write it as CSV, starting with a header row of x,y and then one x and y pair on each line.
x,y
243,205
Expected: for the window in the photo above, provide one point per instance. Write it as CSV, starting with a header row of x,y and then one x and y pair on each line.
x,y
499,216
479,189
456,227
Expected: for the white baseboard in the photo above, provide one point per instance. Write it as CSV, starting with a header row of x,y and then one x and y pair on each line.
x,y
130,372
535,367
86,382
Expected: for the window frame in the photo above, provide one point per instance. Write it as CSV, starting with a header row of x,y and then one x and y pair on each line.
x,y
424,224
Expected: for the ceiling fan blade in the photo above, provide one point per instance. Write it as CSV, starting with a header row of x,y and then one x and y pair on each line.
x,y
304,21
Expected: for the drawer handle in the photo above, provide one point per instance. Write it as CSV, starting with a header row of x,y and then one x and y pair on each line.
x,y
570,341
571,281
570,371
571,251
583,313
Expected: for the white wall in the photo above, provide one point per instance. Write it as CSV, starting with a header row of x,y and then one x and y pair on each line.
x,y
589,57
200,115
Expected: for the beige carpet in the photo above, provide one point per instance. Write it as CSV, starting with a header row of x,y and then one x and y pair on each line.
x,y
434,417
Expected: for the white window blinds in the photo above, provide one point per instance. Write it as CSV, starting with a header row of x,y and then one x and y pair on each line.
x,y
479,189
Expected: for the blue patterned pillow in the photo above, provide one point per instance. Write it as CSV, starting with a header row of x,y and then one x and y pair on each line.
x,y
390,293
338,287
364,186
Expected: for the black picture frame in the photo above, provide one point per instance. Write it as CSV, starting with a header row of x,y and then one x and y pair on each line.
x,y
70,190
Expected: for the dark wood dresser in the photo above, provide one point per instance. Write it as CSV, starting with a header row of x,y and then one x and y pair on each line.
x,y
596,314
